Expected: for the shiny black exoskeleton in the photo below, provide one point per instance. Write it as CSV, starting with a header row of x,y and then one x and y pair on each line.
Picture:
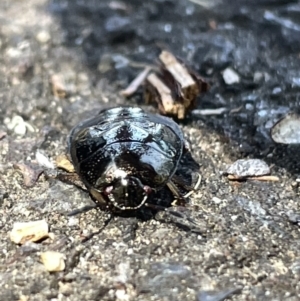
x,y
124,154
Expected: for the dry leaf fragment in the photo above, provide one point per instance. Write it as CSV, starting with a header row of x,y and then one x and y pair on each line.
x,y
58,86
63,162
53,261
29,231
30,173
43,160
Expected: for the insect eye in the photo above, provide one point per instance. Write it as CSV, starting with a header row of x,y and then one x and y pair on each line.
x,y
107,190
147,189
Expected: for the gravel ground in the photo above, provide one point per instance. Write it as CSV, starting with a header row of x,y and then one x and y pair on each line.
x,y
61,60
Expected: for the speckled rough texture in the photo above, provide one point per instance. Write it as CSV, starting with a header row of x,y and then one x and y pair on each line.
x,y
240,238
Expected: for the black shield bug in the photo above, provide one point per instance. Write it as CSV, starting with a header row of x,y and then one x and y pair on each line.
x,y
125,154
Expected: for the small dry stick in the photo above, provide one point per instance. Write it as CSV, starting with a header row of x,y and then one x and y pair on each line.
x,y
259,178
208,112
189,87
58,86
135,84
265,178
164,96
179,72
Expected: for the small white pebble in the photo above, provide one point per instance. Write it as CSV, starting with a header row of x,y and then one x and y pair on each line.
x,y
43,37
258,76
29,231
248,168
73,221
234,217
122,295
53,261
130,251
230,76
216,200
276,90
20,129
286,130
59,110
249,107
18,125
13,52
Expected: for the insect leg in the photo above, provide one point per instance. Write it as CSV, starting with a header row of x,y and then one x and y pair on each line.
x,y
179,181
195,188
174,190
71,178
